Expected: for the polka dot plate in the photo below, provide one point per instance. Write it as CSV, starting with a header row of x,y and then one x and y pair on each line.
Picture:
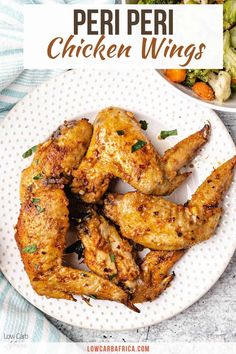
x,y
83,93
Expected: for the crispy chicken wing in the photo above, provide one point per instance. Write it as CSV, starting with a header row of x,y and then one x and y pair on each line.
x,y
55,159
106,253
161,225
119,148
43,220
155,277
41,239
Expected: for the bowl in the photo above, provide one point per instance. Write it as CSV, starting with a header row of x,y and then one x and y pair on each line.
x,y
228,106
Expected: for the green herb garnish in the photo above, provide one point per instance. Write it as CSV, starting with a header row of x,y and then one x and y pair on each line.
x,y
39,176
112,257
139,145
36,266
39,208
29,152
30,249
165,133
35,200
120,132
93,297
110,277
143,124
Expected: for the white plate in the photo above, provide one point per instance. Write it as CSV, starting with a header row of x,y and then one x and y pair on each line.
x,y
82,94
228,106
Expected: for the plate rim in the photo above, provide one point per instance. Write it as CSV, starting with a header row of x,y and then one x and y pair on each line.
x,y
206,104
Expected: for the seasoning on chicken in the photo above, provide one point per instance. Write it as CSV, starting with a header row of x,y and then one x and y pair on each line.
x,y
159,224
43,221
119,148
155,277
106,253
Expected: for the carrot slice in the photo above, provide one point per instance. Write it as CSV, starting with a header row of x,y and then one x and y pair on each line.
x,y
176,75
204,91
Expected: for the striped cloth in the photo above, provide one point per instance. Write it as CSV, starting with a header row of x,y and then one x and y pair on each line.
x,y
14,81
17,316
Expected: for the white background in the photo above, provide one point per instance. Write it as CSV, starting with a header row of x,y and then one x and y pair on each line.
x,y
192,24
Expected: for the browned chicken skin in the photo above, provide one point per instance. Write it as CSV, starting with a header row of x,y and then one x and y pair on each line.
x,y
44,232
162,225
119,148
106,253
143,217
154,277
43,220
110,256
55,159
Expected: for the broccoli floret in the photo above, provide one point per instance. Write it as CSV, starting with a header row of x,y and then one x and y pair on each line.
x,y
233,37
196,2
221,85
229,56
233,87
170,2
229,13
164,2
148,2
190,78
194,75
202,74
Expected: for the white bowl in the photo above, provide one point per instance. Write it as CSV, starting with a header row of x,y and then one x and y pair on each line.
x,y
228,106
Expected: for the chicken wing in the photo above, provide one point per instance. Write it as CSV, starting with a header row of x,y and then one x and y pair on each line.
x,y
40,236
55,159
154,277
106,253
120,149
162,225
44,221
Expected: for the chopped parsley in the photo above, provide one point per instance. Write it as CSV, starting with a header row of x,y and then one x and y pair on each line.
x,y
35,200
120,132
111,276
39,209
144,124
112,257
30,249
139,145
39,176
165,133
29,152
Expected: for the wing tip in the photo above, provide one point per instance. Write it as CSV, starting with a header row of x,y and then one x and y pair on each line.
x,y
206,130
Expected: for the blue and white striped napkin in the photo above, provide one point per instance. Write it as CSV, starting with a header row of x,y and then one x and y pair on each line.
x,y
16,314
